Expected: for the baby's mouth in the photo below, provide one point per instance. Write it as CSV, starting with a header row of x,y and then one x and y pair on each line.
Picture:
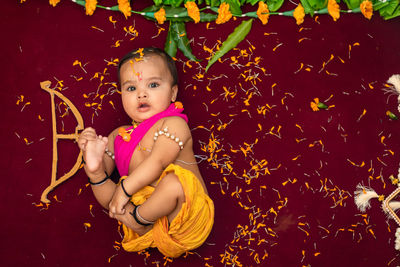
x,y
143,105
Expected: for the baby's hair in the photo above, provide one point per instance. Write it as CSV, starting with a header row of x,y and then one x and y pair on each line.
x,y
142,52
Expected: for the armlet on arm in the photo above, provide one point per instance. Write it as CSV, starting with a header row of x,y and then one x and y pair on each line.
x,y
168,135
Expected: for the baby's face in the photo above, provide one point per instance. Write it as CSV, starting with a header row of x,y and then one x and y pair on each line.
x,y
146,87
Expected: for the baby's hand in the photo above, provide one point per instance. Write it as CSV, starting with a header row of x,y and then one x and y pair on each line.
x,y
89,134
118,202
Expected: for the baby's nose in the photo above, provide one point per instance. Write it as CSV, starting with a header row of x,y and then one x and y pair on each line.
x,y
142,94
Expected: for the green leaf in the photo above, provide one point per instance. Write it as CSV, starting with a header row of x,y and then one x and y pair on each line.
x,y
180,37
176,3
152,8
318,4
322,105
274,5
234,6
215,2
391,115
307,7
232,41
207,16
389,9
253,2
352,4
170,44
157,2
378,5
396,13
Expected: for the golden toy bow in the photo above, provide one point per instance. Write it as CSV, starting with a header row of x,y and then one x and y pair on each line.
x,y
56,136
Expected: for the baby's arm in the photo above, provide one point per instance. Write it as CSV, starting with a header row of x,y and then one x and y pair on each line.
x,y
164,152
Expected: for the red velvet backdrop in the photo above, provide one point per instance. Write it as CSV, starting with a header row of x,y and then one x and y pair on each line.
x,y
282,176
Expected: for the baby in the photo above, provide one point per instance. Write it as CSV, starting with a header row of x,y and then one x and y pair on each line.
x,y
161,198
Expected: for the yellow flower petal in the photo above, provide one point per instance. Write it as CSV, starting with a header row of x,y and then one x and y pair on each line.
x,y
299,14
263,12
54,2
90,7
193,11
334,9
124,7
224,14
366,9
160,16
314,105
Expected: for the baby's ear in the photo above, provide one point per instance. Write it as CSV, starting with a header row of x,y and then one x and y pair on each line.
x,y
174,92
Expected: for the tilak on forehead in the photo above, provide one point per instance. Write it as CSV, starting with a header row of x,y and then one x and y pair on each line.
x,y
137,59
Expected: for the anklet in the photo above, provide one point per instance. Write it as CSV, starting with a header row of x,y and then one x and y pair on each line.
x,y
135,216
101,182
123,189
109,153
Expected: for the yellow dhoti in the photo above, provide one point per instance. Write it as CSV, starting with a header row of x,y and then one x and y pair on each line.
x,y
187,231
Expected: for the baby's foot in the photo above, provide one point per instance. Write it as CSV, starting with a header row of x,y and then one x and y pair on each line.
x,y
94,153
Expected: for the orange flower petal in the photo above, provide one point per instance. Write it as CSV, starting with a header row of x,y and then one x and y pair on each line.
x,y
367,9
160,16
262,9
334,9
299,14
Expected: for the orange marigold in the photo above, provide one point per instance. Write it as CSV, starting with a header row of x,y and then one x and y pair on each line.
x,y
263,12
160,16
314,104
178,105
367,9
90,6
224,14
334,9
193,11
124,7
299,14
54,2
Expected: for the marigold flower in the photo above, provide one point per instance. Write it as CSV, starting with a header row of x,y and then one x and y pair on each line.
x,y
316,105
193,11
160,16
299,14
54,2
366,9
224,14
334,9
263,12
178,105
90,6
391,115
124,7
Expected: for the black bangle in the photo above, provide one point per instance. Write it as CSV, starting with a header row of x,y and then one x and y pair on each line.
x,y
123,189
102,181
133,213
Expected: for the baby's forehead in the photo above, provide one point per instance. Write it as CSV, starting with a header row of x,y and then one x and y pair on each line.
x,y
151,64
151,59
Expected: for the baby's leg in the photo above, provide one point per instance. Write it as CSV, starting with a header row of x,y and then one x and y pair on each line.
x,y
94,168
166,200
93,154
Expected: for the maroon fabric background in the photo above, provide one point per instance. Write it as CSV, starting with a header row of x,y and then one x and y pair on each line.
x,y
298,221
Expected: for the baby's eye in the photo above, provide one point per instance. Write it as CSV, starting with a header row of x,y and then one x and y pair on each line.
x,y
153,85
131,88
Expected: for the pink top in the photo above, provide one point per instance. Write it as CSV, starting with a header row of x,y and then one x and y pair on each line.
x,y
123,150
